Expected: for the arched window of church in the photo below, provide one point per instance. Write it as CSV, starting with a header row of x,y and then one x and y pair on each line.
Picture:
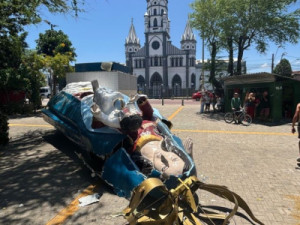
x,y
176,62
162,12
176,85
155,22
181,60
154,12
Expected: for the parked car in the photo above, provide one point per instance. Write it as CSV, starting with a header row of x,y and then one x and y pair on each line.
x,y
45,92
197,95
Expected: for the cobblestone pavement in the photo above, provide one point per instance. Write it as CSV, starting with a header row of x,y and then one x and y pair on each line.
x,y
40,175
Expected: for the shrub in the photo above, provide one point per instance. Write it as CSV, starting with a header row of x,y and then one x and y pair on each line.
x,y
3,129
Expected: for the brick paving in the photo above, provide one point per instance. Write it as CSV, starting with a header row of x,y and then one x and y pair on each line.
x,y
261,168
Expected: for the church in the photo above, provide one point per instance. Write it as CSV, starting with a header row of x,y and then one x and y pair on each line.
x,y
162,69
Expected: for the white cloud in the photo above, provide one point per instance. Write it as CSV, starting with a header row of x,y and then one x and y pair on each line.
x,y
265,65
297,62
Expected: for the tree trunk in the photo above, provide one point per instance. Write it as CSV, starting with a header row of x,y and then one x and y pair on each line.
x,y
212,77
230,50
240,56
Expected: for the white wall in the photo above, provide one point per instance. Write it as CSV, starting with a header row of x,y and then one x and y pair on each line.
x,y
116,81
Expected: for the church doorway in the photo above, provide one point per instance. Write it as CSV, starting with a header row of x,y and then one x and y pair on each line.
x,y
156,84
176,85
141,84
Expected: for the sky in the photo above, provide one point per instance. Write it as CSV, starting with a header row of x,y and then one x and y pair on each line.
x,y
99,33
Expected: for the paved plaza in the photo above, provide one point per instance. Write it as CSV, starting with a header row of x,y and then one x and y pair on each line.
x,y
41,177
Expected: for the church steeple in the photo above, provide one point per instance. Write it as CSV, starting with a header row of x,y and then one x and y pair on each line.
x,y
132,45
188,39
132,37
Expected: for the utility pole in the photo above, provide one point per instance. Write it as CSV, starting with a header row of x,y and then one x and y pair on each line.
x,y
202,72
272,67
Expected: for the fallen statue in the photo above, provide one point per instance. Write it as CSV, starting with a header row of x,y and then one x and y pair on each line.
x,y
130,146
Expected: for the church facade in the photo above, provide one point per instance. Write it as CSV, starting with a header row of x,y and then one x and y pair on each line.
x,y
162,69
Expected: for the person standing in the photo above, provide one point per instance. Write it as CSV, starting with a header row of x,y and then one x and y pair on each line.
x,y
236,104
265,106
202,102
207,102
251,105
296,119
213,101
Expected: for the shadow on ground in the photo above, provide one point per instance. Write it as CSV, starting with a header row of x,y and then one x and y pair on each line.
x,y
209,209
37,114
34,175
217,116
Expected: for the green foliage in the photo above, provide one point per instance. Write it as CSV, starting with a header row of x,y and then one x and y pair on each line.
x,y
58,53
246,23
13,108
283,68
31,69
3,129
53,42
58,66
207,18
16,14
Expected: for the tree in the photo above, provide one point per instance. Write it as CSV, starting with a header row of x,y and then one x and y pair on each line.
x,y
58,52
52,42
283,68
206,18
259,21
242,24
58,66
11,50
4,129
16,14
31,69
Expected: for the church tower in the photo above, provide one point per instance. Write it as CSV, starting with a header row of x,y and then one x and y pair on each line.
x,y
188,44
157,29
132,45
188,39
